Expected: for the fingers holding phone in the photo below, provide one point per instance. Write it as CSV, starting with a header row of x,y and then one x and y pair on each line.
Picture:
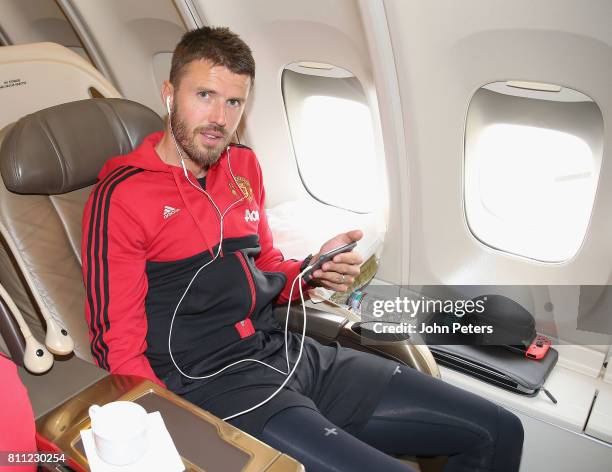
x,y
337,267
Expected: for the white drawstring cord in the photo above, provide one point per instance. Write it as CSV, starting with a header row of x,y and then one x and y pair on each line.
x,y
290,371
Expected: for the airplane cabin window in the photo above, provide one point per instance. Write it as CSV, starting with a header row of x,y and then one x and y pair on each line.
x,y
532,161
331,129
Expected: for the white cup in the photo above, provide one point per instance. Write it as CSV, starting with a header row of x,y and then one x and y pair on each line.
x,y
119,431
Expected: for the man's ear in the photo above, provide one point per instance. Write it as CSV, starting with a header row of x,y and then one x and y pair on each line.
x,y
167,92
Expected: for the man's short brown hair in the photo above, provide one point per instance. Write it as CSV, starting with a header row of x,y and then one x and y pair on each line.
x,y
215,44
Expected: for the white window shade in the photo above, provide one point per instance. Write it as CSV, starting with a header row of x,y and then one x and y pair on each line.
x,y
531,173
333,139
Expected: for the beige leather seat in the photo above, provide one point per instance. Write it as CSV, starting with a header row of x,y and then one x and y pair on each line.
x,y
48,75
48,161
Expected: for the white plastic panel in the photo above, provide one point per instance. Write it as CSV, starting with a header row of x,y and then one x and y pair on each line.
x,y
34,21
40,75
608,374
586,360
280,34
574,382
445,51
130,42
548,448
162,61
573,391
600,421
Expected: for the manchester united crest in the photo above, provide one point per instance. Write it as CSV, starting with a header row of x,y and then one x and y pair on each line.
x,y
245,187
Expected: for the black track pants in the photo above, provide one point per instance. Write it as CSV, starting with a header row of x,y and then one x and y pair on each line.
x,y
417,416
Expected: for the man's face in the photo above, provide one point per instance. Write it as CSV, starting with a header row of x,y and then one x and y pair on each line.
x,y
207,108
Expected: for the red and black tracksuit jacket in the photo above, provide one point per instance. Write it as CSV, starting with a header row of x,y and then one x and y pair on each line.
x,y
146,231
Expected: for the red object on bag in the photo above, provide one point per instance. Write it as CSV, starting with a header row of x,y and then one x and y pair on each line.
x,y
17,428
538,348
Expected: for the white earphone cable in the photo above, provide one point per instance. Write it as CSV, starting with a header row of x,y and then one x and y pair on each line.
x,y
290,371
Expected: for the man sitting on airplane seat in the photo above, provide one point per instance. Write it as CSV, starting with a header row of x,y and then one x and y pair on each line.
x,y
181,283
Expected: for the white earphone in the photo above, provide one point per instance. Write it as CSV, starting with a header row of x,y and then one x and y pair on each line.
x,y
168,104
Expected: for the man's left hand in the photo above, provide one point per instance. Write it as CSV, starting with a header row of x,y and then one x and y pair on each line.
x,y
339,273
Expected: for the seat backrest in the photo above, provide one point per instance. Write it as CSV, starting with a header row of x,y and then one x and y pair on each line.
x,y
48,161
40,75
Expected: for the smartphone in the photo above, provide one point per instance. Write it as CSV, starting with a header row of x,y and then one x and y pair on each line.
x,y
328,256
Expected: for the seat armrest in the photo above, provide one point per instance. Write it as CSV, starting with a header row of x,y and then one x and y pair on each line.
x,y
321,325
327,327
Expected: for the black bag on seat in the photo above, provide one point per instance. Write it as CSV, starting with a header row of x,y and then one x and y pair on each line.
x,y
498,366
498,357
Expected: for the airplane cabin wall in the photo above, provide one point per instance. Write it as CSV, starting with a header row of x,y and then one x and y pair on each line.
x,y
420,63
280,34
131,42
445,52
33,21
436,70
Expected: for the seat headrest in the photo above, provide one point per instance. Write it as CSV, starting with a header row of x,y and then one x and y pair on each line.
x,y
63,148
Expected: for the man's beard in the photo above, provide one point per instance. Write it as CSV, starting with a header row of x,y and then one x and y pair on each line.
x,y
205,157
